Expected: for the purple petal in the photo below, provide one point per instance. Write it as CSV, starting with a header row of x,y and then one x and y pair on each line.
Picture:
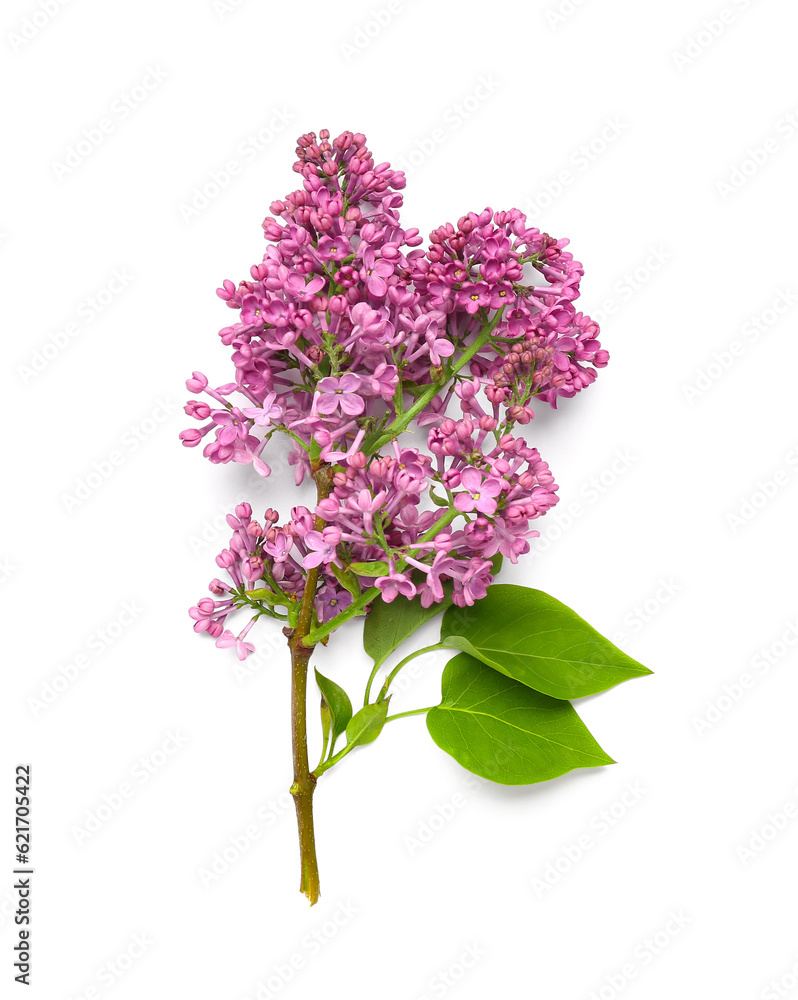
x,y
328,404
471,478
352,405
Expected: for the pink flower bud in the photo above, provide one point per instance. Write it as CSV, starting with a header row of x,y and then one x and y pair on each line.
x,y
194,408
191,437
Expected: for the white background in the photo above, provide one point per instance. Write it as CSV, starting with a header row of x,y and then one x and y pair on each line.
x,y
664,149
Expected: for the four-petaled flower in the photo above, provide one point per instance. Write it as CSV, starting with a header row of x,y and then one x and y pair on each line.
x,y
481,493
227,639
339,392
472,296
395,584
322,545
252,310
374,272
332,248
267,413
233,423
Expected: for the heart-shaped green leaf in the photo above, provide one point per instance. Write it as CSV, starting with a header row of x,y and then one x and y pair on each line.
x,y
506,732
366,725
337,705
538,641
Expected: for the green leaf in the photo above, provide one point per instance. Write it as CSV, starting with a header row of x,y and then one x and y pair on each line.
x,y
388,625
506,732
438,501
366,725
347,580
337,704
538,641
269,596
369,568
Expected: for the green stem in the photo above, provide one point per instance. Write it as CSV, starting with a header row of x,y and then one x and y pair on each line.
x,y
333,760
294,437
351,746
402,663
413,711
375,670
304,781
301,652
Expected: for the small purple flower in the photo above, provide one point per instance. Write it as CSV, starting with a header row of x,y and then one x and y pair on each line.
x,y
395,584
501,294
331,601
279,548
227,640
268,413
278,313
233,423
384,380
322,545
252,310
471,296
370,321
374,272
339,392
439,348
480,495
334,249
432,590
367,505
473,585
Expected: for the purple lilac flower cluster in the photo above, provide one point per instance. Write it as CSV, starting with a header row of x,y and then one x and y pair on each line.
x,y
348,334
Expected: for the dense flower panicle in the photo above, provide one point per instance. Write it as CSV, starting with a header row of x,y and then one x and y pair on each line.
x,y
348,333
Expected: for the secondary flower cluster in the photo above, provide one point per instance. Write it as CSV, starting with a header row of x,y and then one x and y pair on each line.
x,y
349,334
